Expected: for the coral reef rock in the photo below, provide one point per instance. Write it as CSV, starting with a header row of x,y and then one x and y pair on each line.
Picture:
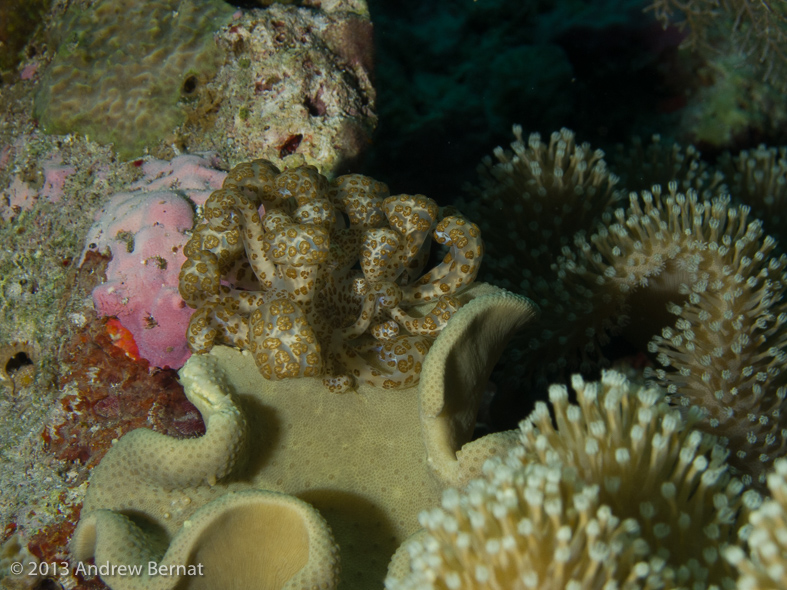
x,y
298,81
121,70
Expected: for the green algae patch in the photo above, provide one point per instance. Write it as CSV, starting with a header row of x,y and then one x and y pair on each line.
x,y
123,70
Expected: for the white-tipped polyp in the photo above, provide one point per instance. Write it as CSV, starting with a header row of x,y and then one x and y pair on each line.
x,y
577,383
558,394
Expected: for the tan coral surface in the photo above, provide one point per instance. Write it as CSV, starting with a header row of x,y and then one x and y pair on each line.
x,y
358,458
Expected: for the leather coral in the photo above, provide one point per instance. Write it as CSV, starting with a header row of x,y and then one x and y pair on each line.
x,y
688,276
618,492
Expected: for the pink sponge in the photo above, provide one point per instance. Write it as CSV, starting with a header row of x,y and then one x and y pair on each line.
x,y
21,196
194,175
144,232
